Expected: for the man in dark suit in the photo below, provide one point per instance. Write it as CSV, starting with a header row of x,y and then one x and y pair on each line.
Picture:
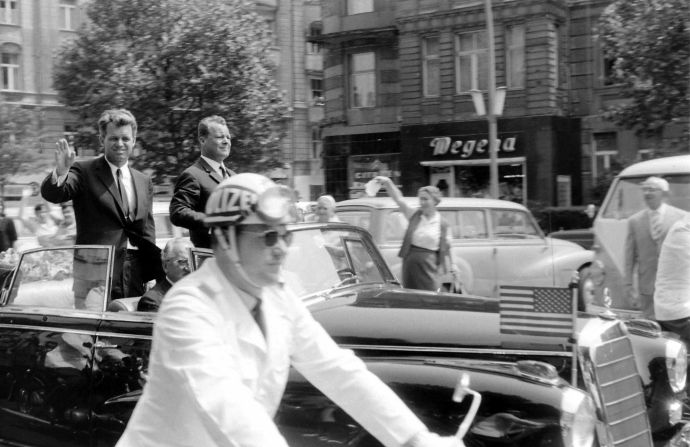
x,y
175,257
112,206
196,183
647,230
8,233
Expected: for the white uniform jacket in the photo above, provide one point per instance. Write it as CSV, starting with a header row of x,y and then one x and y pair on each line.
x,y
214,380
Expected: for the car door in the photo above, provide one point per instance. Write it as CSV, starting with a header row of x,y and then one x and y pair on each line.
x,y
523,256
473,251
121,357
48,346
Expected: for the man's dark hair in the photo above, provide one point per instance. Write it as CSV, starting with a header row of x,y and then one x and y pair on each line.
x,y
119,117
204,124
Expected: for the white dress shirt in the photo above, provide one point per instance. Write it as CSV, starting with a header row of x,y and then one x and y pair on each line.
x,y
215,380
672,288
214,165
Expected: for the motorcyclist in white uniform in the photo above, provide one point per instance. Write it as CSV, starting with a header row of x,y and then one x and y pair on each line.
x,y
226,335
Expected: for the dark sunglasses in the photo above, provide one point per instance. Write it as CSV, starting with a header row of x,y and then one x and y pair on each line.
x,y
271,236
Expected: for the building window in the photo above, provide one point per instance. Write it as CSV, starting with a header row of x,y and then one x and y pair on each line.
x,y
605,151
9,67
314,31
8,12
471,61
431,69
317,91
316,142
515,56
359,6
607,70
362,80
68,15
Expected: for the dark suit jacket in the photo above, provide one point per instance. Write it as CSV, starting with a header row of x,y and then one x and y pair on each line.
x,y
8,233
192,189
99,213
151,300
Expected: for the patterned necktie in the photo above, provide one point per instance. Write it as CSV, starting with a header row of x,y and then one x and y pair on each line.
x,y
656,227
223,172
123,194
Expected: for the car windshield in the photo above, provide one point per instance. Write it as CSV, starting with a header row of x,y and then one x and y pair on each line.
x,y
320,260
52,277
625,198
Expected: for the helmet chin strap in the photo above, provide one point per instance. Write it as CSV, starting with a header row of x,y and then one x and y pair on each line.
x,y
227,240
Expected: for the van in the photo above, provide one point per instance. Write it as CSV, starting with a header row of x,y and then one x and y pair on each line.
x,y
604,283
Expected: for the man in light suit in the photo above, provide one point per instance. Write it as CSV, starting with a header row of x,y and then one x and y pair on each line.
x,y
196,183
646,232
112,206
226,335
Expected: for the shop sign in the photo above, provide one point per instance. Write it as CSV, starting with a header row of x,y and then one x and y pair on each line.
x,y
363,168
466,148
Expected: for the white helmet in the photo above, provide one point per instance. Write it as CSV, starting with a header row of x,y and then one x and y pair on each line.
x,y
247,198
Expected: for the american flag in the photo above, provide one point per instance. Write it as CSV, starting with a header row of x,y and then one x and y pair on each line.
x,y
540,311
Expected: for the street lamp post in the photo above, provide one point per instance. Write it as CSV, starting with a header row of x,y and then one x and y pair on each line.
x,y
496,100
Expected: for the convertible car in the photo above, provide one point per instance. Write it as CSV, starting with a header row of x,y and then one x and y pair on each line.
x,y
72,371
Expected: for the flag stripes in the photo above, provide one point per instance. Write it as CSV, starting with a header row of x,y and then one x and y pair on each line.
x,y
540,311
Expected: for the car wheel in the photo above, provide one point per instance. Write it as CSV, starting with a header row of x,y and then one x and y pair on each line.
x,y
585,289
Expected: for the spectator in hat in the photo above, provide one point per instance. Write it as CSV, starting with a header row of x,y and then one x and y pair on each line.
x,y
646,232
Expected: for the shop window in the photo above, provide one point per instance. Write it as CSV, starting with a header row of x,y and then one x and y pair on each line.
x,y
9,13
431,68
515,56
68,15
471,61
10,56
317,91
359,6
362,80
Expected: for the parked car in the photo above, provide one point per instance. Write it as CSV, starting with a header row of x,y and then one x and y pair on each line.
x,y
605,279
581,236
495,242
72,376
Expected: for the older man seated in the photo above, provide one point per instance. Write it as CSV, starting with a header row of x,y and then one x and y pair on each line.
x,y
175,257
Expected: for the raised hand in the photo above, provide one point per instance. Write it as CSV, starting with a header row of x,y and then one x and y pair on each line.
x,y
64,157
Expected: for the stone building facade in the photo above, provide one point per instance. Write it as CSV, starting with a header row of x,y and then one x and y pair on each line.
x,y
398,78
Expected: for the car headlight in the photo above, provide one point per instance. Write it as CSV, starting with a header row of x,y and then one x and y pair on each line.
x,y
578,418
676,364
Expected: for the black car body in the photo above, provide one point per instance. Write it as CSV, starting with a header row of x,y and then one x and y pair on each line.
x,y
72,376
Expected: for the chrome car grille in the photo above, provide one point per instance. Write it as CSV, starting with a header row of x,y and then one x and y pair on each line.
x,y
611,374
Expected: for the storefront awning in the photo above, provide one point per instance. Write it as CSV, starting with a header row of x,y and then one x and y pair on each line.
x,y
480,162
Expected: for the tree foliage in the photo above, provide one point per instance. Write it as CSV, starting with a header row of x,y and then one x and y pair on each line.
x,y
171,63
649,40
18,140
